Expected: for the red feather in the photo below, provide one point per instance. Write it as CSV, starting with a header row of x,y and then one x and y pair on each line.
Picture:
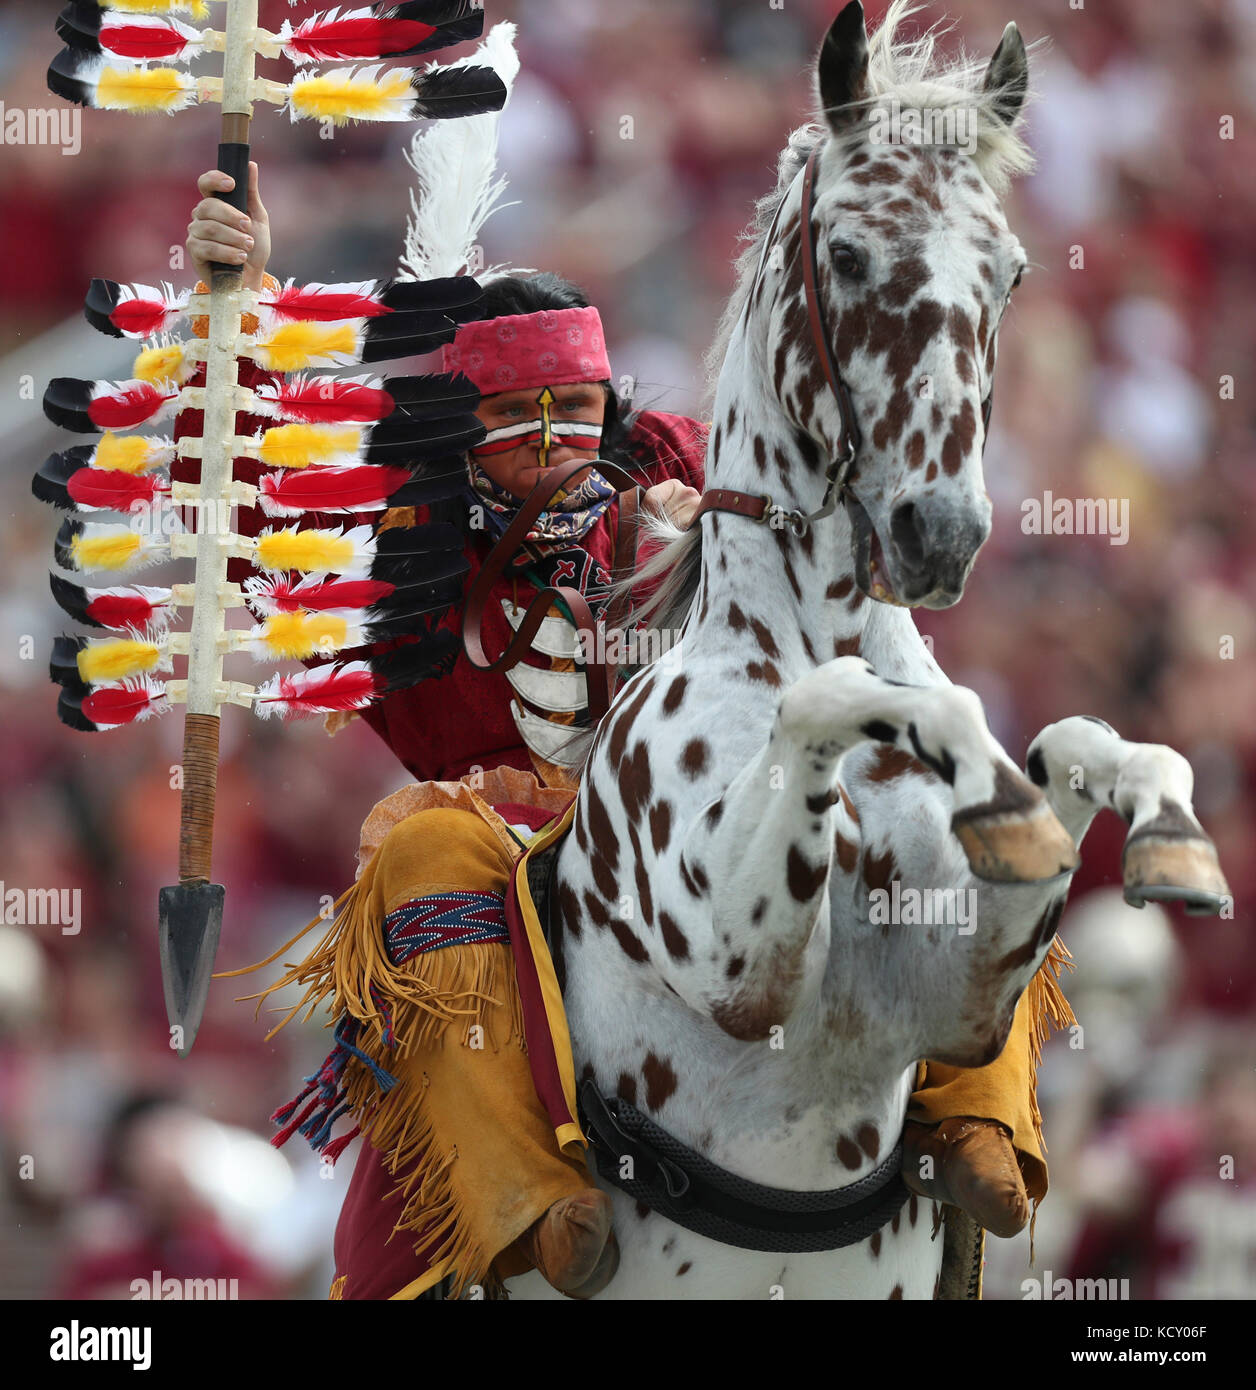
x,y
324,303
114,706
123,610
325,401
142,318
112,490
318,691
284,595
153,40
136,402
365,487
356,34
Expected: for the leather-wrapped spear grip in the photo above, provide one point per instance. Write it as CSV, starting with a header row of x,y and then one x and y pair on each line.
x,y
200,739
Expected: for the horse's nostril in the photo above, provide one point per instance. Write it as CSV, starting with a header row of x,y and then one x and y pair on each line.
x,y
905,529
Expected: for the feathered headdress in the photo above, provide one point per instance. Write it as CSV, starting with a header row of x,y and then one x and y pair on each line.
x,y
457,184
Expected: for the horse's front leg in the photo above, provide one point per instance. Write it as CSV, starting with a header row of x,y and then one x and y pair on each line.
x,y
762,853
1083,765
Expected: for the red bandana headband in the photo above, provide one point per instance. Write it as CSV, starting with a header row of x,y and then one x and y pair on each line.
x,y
518,351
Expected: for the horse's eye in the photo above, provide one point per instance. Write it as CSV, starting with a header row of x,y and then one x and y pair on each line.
x,y
846,261
1020,274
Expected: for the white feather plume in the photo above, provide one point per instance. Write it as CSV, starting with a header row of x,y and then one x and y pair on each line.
x,y
456,167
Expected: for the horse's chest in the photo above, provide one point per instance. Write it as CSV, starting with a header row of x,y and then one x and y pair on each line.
x,y
661,1260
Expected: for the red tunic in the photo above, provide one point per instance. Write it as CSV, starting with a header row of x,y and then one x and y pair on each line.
x,y
441,728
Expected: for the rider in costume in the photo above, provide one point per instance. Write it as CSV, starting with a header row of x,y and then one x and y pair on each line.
x,y
468,1169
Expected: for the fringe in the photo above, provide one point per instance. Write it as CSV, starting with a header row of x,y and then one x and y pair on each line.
x,y
1049,1011
385,1015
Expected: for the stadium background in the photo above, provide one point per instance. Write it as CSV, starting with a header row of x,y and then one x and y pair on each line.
x,y
1110,385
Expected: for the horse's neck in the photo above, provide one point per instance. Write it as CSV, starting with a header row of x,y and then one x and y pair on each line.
x,y
802,587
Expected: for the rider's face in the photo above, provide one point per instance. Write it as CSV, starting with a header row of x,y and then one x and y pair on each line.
x,y
518,470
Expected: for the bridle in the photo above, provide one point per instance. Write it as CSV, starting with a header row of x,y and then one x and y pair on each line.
x,y
761,507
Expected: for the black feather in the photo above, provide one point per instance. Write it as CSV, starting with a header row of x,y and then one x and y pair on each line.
x,y
431,485
456,21
70,710
405,335
438,393
66,401
102,300
410,601
433,654
71,529
78,25
448,92
72,599
64,80
49,484
445,293
396,440
63,668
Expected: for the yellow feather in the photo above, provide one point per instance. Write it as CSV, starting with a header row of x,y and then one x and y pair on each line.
x,y
339,99
295,446
198,8
124,453
306,551
159,364
296,345
296,635
106,552
115,661
144,89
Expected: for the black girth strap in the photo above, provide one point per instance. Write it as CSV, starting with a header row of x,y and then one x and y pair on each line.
x,y
695,1193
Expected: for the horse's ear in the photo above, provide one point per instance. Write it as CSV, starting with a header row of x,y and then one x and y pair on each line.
x,y
843,70
1008,75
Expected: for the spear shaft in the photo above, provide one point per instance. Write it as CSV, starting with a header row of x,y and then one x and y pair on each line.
x,y
190,914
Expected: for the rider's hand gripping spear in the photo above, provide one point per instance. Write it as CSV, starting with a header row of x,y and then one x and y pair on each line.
x,y
352,447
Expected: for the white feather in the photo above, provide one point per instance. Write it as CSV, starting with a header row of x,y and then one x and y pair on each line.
x,y
456,167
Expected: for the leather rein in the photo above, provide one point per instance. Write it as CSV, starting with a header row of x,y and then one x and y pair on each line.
x,y
600,673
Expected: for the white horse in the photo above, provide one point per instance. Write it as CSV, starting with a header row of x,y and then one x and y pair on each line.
x,y
801,752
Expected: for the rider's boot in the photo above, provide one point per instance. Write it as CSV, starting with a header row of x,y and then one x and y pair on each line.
x,y
572,1245
973,1137
971,1165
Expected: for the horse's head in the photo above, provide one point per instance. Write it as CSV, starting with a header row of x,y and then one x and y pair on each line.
x,y
914,269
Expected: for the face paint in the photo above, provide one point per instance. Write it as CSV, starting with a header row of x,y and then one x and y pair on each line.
x,y
545,400
572,434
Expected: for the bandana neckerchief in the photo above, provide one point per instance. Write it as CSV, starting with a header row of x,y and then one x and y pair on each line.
x,y
571,515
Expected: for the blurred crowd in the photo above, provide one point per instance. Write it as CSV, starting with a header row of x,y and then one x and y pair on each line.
x,y
639,134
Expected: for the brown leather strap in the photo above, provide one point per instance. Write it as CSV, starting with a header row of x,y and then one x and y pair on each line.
x,y
721,499
625,553
848,444
547,487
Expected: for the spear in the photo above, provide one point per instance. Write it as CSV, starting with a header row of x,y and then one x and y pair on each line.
x,y
189,914
355,446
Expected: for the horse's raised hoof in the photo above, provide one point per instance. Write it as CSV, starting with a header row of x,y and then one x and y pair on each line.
x,y
603,1271
973,1167
1022,844
572,1245
1159,868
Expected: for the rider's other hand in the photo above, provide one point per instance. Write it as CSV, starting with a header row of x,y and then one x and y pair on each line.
x,y
675,501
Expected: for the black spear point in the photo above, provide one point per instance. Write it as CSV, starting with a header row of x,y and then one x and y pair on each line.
x,y
189,923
